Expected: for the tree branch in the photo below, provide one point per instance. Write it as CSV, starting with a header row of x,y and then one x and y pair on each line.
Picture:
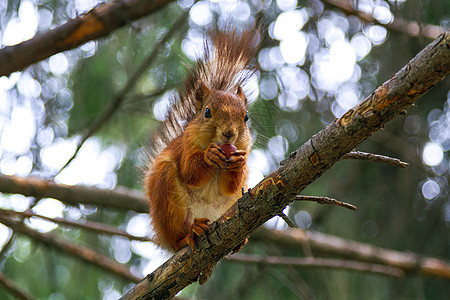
x,y
93,25
325,243
95,227
317,262
306,164
120,197
325,200
376,158
81,252
11,287
411,28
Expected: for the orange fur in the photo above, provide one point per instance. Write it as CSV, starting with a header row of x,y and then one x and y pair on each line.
x,y
191,181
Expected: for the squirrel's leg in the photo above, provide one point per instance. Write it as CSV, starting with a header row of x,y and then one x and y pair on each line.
x,y
194,171
166,204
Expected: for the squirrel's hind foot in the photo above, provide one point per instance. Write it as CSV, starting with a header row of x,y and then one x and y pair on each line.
x,y
199,227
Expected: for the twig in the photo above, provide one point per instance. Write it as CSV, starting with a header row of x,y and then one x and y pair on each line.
x,y
86,225
81,252
287,220
136,100
97,23
120,96
332,245
317,262
121,197
13,289
325,200
288,282
376,158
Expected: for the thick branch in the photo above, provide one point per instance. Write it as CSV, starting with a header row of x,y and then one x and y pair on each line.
x,y
306,164
119,198
81,252
324,243
95,24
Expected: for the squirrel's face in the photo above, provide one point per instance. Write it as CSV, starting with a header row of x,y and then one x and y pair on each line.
x,y
223,119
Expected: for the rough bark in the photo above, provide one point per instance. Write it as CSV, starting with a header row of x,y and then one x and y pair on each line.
x,y
304,165
97,23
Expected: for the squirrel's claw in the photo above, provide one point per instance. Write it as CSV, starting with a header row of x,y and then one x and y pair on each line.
x,y
236,162
199,227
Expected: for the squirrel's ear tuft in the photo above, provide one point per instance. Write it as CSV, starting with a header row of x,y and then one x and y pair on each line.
x,y
200,96
241,94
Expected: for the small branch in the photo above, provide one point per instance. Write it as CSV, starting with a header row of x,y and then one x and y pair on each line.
x,y
120,197
11,287
325,200
332,245
376,158
317,262
97,23
120,96
287,220
81,252
411,28
86,225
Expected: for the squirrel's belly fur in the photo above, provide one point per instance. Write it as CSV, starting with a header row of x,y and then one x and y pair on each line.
x,y
208,201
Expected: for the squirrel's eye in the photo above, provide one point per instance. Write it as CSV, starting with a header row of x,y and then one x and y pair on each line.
x,y
246,117
208,113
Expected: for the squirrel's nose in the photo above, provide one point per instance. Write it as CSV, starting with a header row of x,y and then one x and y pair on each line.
x,y
228,133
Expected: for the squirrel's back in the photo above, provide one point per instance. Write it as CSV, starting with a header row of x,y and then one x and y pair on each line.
x,y
225,64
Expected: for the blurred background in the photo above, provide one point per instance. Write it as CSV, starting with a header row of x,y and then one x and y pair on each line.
x,y
318,59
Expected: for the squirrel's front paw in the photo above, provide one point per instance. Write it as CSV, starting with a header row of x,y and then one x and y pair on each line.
x,y
237,160
216,156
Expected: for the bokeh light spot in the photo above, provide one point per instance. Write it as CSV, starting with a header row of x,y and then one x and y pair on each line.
x,y
430,189
432,154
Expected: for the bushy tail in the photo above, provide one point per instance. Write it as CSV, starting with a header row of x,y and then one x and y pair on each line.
x,y
226,63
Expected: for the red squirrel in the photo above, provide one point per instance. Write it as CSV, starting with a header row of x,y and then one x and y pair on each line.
x,y
202,169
